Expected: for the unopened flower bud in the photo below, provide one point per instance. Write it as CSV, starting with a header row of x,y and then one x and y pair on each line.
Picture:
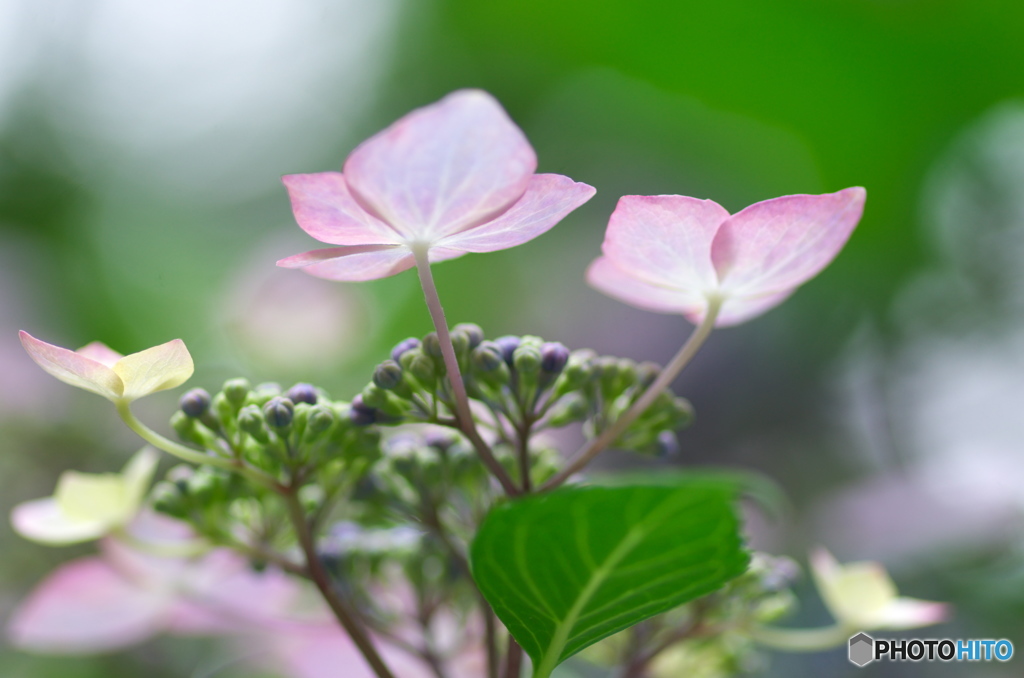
x,y
320,419
236,390
250,420
388,375
668,444
472,331
279,412
573,407
553,357
460,343
432,345
192,430
508,345
401,347
168,499
263,393
206,483
647,373
526,359
421,367
195,403
487,357
360,413
303,393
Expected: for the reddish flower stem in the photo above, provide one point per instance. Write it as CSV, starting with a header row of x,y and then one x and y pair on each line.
x,y
451,363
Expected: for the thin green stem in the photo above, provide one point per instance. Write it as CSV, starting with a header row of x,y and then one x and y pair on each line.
x,y
451,363
187,453
801,640
664,380
339,606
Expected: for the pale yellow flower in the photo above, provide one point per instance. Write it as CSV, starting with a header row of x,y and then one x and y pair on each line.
x,y
100,369
87,505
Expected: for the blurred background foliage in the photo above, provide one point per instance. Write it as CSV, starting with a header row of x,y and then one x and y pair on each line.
x,y
141,146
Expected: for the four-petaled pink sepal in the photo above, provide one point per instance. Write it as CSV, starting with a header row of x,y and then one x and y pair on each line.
x,y
674,254
453,177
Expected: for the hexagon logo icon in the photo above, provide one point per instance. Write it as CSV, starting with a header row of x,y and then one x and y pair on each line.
x,y
862,649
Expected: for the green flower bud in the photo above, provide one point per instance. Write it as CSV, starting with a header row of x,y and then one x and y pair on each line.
x,y
236,391
320,419
577,372
472,332
647,373
262,394
388,375
166,498
223,408
206,484
279,412
193,431
432,345
460,343
573,407
251,420
526,359
422,368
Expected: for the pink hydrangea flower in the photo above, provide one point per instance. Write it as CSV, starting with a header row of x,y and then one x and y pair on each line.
x,y
674,254
124,596
453,177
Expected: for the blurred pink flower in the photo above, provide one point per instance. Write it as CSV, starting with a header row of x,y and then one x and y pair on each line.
x,y
125,596
674,254
453,177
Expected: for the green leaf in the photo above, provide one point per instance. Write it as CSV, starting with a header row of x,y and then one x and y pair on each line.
x,y
565,569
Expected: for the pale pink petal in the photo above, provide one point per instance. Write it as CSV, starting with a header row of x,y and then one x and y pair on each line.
x,y
778,244
155,369
548,199
665,240
910,613
43,521
443,168
100,352
605,276
73,368
326,210
740,309
353,264
85,606
317,651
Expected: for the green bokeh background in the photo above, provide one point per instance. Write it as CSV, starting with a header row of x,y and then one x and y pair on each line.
x,y
734,100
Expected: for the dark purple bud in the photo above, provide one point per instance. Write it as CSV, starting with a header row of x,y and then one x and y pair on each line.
x,y
388,375
195,403
508,345
403,346
360,413
302,393
553,357
279,412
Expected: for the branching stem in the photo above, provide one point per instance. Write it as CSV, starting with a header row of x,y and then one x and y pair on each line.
x,y
664,380
451,363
